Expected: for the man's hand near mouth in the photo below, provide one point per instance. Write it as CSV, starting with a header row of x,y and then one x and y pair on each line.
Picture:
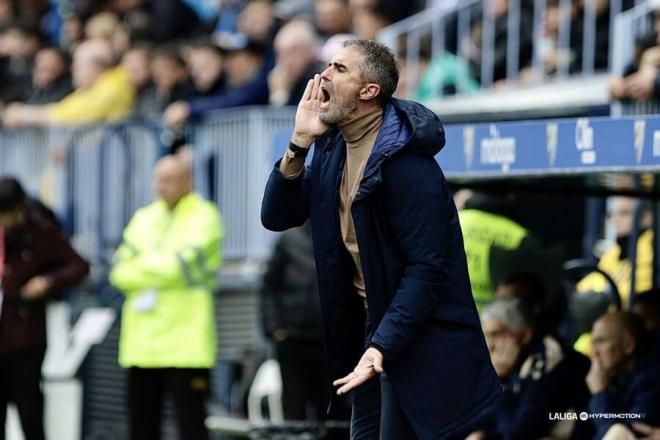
x,y
308,125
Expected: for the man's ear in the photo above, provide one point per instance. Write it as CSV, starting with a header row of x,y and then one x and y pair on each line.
x,y
369,91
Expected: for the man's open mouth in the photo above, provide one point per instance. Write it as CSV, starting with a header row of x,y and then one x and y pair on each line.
x,y
325,98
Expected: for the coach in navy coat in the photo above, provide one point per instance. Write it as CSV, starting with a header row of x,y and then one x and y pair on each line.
x,y
419,303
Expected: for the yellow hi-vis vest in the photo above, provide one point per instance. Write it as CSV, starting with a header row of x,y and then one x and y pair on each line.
x,y
167,267
481,231
620,271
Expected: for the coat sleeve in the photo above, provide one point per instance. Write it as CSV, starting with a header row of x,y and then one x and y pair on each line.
x,y
66,267
286,201
418,209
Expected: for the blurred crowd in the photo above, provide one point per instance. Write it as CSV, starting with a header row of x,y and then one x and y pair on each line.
x,y
110,59
89,61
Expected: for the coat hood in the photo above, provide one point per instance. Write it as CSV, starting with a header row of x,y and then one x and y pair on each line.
x,y
423,128
407,127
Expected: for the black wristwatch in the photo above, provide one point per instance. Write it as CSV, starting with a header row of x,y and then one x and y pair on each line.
x,y
297,151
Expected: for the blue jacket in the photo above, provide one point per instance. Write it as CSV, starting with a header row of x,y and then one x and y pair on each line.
x,y
419,300
637,393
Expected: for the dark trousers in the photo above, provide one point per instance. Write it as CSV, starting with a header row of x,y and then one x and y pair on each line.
x,y
20,383
305,392
146,389
377,414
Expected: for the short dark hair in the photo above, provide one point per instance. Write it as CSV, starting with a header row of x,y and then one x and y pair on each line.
x,y
12,194
379,66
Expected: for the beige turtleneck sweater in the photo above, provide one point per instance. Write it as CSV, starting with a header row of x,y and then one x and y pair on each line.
x,y
360,135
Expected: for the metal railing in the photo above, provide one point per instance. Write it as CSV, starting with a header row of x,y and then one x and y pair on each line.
x,y
96,177
473,32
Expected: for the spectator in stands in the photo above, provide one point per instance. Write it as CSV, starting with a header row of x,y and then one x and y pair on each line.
x,y
641,79
103,93
51,80
206,62
247,81
499,10
333,17
395,10
444,74
257,22
291,318
368,22
19,45
167,267
36,264
538,375
171,76
647,307
101,25
625,373
166,20
296,48
137,64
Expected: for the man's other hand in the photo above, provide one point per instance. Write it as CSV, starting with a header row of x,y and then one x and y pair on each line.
x,y
370,364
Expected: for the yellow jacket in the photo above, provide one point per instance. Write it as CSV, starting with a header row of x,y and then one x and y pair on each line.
x,y
620,270
481,231
167,266
110,99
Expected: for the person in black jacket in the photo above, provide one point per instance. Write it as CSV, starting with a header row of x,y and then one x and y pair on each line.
x,y
291,319
540,377
625,373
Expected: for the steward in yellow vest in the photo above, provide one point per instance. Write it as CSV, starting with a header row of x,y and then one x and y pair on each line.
x,y
167,267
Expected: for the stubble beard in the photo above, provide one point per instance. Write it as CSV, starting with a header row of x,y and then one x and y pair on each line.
x,y
339,109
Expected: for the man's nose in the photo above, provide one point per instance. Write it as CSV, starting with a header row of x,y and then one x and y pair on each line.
x,y
326,74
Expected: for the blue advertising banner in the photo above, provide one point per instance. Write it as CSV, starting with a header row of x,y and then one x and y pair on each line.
x,y
583,145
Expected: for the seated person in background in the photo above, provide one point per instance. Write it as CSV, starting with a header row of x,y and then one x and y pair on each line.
x,y
137,64
296,51
51,80
538,375
625,372
247,83
616,262
103,93
529,288
171,76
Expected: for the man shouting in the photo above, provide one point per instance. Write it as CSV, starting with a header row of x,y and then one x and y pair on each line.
x,y
401,329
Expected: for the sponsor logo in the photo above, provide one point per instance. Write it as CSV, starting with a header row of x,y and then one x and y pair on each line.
x,y
497,150
584,141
